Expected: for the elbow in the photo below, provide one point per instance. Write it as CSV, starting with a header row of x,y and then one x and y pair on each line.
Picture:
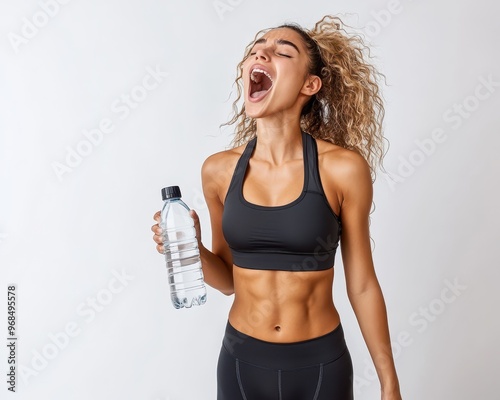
x,y
227,287
227,292
224,289
354,292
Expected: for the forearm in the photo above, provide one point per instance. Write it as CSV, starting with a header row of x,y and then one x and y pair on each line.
x,y
215,271
369,307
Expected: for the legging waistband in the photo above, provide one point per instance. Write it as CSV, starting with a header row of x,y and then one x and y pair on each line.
x,y
319,350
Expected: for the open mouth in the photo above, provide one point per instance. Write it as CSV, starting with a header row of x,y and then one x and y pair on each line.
x,y
260,83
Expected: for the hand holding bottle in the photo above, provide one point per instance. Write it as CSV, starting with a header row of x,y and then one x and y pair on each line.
x,y
158,238
178,237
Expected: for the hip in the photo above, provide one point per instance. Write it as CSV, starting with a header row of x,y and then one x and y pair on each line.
x,y
281,355
319,368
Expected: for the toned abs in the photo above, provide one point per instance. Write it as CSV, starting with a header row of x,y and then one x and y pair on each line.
x,y
283,306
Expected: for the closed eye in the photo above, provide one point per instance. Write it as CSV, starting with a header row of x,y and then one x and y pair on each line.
x,y
280,54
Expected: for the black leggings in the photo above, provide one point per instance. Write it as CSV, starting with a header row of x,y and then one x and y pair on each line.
x,y
314,369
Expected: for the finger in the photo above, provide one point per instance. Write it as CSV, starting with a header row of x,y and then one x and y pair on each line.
x,y
196,221
157,216
160,249
156,229
197,225
194,215
158,239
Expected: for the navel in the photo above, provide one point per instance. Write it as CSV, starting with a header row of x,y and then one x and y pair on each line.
x,y
277,328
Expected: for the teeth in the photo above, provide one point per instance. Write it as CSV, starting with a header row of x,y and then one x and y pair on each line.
x,y
252,77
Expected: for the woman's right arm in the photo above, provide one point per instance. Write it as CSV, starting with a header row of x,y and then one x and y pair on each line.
x,y
217,264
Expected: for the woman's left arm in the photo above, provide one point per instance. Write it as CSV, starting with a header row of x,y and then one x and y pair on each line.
x,y
363,289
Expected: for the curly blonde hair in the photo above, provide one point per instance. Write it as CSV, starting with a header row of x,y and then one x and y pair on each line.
x,y
348,110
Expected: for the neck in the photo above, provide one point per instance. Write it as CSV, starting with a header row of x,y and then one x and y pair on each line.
x,y
278,141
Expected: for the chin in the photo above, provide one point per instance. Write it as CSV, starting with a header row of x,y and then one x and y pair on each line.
x,y
250,110
254,113
256,110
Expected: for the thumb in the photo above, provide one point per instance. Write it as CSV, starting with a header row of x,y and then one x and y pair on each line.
x,y
196,220
193,214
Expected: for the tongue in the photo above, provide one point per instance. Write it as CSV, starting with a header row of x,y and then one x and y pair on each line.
x,y
260,93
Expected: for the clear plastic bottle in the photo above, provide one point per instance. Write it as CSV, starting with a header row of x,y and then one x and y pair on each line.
x,y
182,254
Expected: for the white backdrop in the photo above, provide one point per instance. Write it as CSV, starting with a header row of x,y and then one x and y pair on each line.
x,y
104,103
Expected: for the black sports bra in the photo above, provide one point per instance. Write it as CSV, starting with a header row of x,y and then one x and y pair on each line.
x,y
299,236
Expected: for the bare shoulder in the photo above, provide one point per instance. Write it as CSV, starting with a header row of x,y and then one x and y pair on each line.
x,y
217,170
341,161
344,170
222,160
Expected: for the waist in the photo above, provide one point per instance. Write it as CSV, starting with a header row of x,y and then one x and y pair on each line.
x,y
299,304
312,288
313,351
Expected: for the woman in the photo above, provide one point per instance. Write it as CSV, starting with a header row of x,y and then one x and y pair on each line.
x,y
296,184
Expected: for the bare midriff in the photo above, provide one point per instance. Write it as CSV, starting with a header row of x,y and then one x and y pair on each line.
x,y
283,306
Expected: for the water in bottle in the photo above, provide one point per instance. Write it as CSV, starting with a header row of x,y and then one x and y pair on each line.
x,y
182,254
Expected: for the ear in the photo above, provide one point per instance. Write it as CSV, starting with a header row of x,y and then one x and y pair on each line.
x,y
312,85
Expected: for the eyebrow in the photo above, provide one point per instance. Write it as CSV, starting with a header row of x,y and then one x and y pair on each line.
x,y
278,41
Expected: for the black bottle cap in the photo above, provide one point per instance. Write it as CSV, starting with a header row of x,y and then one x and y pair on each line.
x,y
170,192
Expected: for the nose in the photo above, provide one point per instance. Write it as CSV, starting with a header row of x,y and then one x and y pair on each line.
x,y
262,53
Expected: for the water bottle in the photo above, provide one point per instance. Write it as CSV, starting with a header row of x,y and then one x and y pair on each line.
x,y
182,255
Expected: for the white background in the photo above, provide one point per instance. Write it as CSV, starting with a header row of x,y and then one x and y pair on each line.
x,y
63,238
